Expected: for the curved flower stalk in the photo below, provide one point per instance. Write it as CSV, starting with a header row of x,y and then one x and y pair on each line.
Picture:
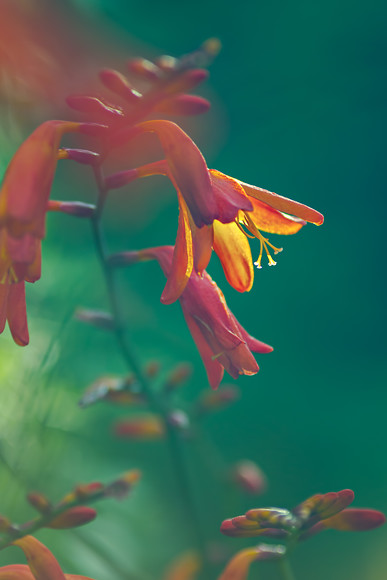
x,y
23,205
222,342
317,513
214,210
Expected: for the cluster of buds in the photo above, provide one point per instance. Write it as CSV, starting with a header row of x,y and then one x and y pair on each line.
x,y
217,212
71,512
317,513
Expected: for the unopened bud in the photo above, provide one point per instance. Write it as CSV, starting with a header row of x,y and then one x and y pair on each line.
x,y
211,401
93,129
249,477
167,63
82,156
120,488
74,208
39,502
212,46
184,105
118,83
115,390
145,427
5,524
178,376
87,490
73,518
144,68
120,179
95,318
187,81
93,106
152,368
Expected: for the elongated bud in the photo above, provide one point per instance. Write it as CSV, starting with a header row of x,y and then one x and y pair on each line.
x,y
119,84
88,490
95,318
39,502
187,81
144,68
185,567
152,368
94,106
82,156
120,179
177,376
184,105
145,427
74,208
247,475
93,129
167,63
115,390
210,401
73,518
120,488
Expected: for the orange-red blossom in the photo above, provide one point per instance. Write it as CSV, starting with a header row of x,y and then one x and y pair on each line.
x,y
222,342
23,204
215,211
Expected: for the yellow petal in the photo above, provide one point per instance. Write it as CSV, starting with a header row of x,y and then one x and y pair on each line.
x,y
234,252
272,221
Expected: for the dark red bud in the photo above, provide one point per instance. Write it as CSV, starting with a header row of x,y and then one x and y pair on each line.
x,y
94,106
118,84
73,518
184,105
144,68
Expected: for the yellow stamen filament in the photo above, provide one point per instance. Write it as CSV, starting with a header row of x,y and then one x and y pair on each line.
x,y
264,243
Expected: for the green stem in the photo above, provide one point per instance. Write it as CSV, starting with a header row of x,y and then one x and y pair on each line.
x,y
156,403
286,571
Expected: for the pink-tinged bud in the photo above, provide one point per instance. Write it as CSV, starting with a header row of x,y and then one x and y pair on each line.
x,y
118,84
118,390
124,259
185,567
178,419
355,520
94,106
152,368
39,502
93,129
144,68
144,427
167,63
73,518
74,208
120,488
87,491
187,81
41,561
120,179
210,401
184,105
247,475
178,376
82,156
239,566
96,318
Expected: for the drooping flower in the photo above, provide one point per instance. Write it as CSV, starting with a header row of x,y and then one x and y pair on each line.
x,y
222,342
23,204
214,210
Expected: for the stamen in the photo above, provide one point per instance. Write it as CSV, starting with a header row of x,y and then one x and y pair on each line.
x,y
264,243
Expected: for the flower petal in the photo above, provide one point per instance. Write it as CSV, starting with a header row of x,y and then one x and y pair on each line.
x,y
41,561
17,314
229,195
254,344
233,250
355,520
283,204
202,246
273,221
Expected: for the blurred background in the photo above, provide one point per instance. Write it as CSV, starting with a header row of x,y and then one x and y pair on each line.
x,y
298,107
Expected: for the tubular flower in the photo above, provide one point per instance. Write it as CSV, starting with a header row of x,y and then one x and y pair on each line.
x,y
215,212
23,204
222,342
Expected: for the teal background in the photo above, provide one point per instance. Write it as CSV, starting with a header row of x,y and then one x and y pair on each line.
x,y
298,96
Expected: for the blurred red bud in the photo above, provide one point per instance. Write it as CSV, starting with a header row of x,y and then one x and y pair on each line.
x,y
93,129
144,427
187,81
178,376
113,389
144,68
120,488
184,105
152,368
210,401
95,318
86,490
74,208
39,502
73,518
94,106
118,84
249,477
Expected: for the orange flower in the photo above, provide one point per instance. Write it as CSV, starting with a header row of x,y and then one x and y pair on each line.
x,y
222,342
214,209
23,204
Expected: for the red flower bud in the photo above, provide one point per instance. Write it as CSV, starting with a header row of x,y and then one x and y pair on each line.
x,y
144,68
184,105
39,502
94,106
118,83
73,518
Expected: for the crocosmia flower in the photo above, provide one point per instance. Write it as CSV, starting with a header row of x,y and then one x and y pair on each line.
x,y
222,342
23,204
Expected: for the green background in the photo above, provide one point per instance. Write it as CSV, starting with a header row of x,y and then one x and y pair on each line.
x,y
298,107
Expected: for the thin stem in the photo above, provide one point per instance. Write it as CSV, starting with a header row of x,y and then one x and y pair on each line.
x,y
156,403
286,571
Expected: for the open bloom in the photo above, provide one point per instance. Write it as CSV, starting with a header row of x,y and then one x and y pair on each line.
x,y
23,204
222,342
215,212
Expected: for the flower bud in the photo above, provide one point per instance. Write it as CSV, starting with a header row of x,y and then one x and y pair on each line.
x,y
247,475
94,106
113,389
120,179
82,156
39,502
118,83
74,208
167,63
178,376
95,318
144,427
144,68
152,369
186,81
120,488
210,401
73,518
184,105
